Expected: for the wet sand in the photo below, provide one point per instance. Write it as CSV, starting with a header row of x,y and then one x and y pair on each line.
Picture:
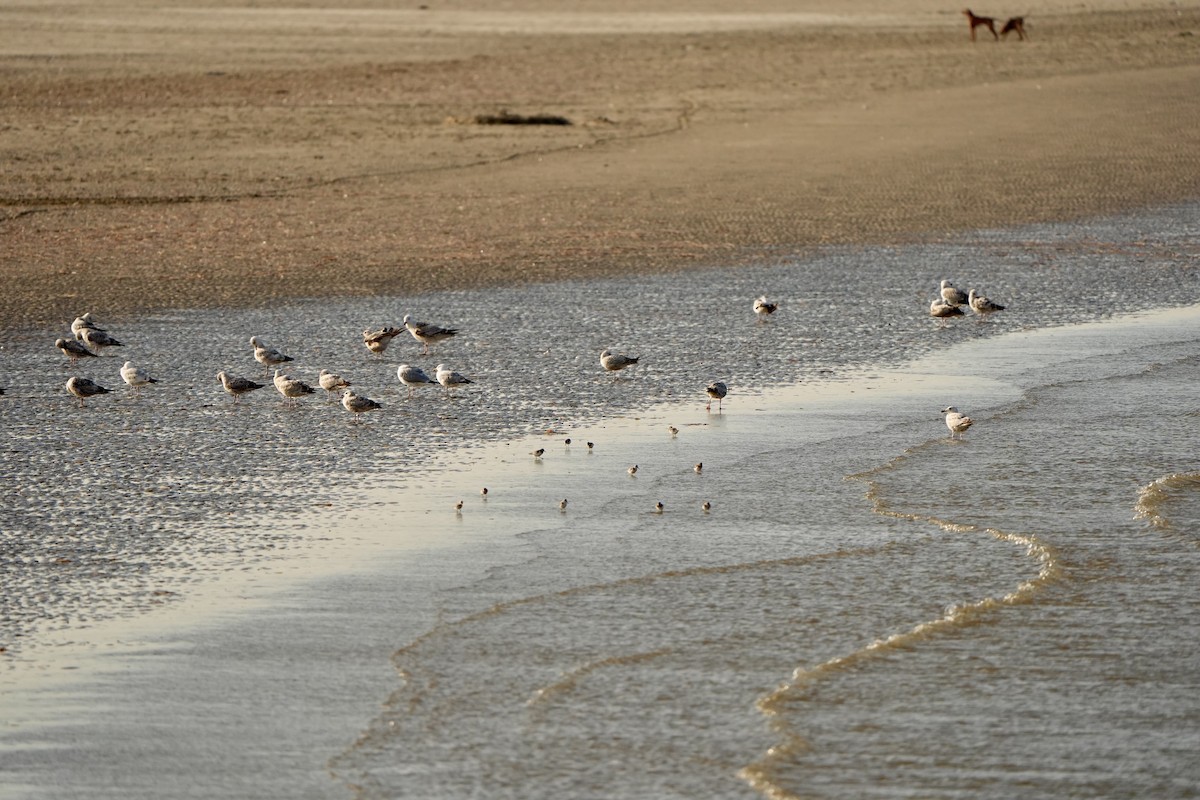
x,y
210,155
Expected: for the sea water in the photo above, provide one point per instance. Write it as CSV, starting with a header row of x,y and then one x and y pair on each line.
x,y
869,607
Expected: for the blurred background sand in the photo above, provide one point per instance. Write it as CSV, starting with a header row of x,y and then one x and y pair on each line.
x,y
176,155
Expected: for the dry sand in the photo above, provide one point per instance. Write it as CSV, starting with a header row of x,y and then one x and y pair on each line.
x,y
159,155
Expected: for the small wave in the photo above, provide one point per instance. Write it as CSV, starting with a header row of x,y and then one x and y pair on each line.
x,y
1159,496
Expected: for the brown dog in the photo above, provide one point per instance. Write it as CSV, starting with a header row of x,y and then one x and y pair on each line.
x,y
975,22
1014,24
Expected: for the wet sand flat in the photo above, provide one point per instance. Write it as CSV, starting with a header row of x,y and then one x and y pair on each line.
x,y
215,155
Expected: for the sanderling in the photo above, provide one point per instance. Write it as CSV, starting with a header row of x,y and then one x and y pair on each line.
x,y
632,470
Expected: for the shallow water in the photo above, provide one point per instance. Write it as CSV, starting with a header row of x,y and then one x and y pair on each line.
x,y
870,607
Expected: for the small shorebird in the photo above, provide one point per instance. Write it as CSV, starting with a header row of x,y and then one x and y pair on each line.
x,y
458,507
982,305
73,349
591,445
135,376
706,506
266,355
942,311
952,294
716,391
673,431
378,340
562,504
658,507
764,308
632,470
537,454
426,332
83,388
483,493
956,422
412,377
615,362
357,403
331,382
237,386
698,468
291,388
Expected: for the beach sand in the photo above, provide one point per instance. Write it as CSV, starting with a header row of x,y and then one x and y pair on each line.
x,y
216,155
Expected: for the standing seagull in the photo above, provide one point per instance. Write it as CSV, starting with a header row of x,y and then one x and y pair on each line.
x,y
956,422
266,355
412,377
135,376
426,332
332,382
763,308
716,391
451,379
291,388
952,294
614,362
73,349
357,404
84,321
377,341
237,386
96,339
983,305
84,388
942,310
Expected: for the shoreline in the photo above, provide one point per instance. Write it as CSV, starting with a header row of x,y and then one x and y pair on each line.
x,y
321,616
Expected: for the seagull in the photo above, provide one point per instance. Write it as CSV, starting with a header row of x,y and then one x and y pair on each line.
x,y
332,382
426,333
764,308
84,321
562,504
357,403
716,391
237,386
614,362
943,310
84,388
952,294
73,349
267,356
632,470
537,454
291,388
378,340
96,338
699,467
956,422
706,506
449,378
135,376
412,377
983,305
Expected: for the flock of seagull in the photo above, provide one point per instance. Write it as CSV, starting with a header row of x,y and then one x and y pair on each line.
x,y
951,299
89,340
